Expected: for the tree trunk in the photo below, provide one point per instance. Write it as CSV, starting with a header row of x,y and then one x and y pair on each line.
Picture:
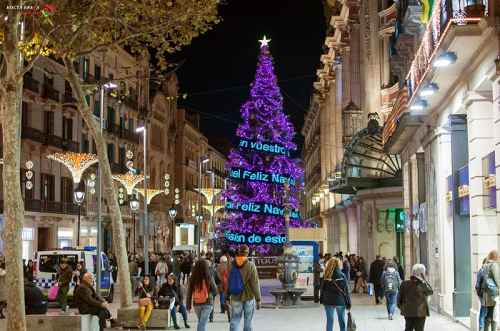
x,y
107,183
13,201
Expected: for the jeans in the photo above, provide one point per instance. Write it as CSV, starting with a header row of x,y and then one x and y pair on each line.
x,y
102,314
239,308
203,313
482,317
222,302
379,293
62,297
414,323
211,317
390,302
330,314
182,310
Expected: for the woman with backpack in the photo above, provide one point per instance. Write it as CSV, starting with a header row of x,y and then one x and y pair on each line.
x,y
412,299
335,294
201,291
390,281
489,285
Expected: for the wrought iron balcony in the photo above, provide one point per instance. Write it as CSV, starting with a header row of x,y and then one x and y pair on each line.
x,y
31,84
50,93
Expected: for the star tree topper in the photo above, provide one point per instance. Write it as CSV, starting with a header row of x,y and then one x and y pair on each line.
x,y
264,42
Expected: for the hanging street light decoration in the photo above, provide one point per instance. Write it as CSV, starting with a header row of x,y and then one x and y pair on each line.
x,y
28,174
151,193
76,163
91,183
177,197
129,181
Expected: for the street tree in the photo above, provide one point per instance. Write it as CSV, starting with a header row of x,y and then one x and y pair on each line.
x,y
68,30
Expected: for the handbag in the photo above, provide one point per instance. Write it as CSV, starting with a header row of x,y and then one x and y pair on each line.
x,y
351,325
53,291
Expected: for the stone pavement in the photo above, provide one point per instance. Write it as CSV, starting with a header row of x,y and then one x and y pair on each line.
x,y
368,317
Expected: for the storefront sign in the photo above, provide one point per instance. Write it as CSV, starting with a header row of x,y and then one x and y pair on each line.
x,y
260,208
271,148
254,238
260,176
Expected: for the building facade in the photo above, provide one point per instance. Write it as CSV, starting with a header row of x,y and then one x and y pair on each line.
x,y
446,129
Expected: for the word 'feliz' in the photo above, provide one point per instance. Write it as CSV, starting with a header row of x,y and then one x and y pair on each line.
x,y
260,208
260,176
254,238
264,147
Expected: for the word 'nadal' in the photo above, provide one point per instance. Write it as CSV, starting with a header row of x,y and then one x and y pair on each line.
x,y
254,238
264,147
260,176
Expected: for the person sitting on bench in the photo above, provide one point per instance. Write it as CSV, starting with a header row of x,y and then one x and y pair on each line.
x,y
33,299
88,302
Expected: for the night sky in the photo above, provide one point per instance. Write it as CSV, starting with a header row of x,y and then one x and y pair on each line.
x,y
220,65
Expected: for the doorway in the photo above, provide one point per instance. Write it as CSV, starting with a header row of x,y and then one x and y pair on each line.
x,y
43,239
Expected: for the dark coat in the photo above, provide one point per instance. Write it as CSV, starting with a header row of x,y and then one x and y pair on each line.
x,y
86,299
330,293
64,276
167,290
376,270
412,298
33,296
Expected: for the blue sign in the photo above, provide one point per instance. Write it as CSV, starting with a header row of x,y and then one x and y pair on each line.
x,y
260,176
254,238
258,146
260,208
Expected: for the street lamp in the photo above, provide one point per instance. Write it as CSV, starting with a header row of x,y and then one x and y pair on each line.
x,y
146,221
134,207
172,212
78,196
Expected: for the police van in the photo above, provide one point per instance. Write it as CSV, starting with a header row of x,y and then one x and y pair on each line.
x,y
47,263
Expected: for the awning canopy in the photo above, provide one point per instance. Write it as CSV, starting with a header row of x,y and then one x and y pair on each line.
x,y
365,164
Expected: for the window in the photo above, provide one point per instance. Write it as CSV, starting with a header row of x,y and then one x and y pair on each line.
x,y
47,188
97,72
111,153
85,144
48,122
97,108
50,263
122,123
94,149
121,156
48,81
87,99
67,88
131,124
67,128
86,65
111,116
66,190
25,115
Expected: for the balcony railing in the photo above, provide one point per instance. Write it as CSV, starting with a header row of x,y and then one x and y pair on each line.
x,y
70,145
50,93
48,139
33,134
31,84
44,206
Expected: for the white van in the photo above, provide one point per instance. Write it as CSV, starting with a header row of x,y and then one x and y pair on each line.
x,y
47,262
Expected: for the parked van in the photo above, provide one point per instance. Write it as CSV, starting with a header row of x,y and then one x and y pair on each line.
x,y
47,263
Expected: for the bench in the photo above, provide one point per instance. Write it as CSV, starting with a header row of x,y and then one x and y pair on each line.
x,y
287,297
128,317
62,322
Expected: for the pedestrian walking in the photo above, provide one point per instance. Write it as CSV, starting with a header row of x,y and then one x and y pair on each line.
x,y
390,283
360,285
161,271
335,294
491,279
146,292
412,299
376,270
480,291
319,269
64,276
243,290
187,264
222,274
401,271
201,292
3,290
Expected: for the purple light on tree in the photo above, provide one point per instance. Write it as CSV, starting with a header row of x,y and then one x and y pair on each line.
x,y
263,121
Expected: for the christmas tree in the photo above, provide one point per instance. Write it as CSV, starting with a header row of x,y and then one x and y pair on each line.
x,y
260,167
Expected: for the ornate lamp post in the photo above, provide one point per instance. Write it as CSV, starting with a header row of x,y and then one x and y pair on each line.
x,y
134,207
78,196
172,212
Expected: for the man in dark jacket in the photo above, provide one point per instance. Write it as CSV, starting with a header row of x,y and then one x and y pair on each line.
x,y
319,268
376,270
412,299
88,302
33,299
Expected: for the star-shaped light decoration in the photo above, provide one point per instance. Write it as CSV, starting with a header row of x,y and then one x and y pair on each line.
x,y
76,163
151,193
128,180
264,42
